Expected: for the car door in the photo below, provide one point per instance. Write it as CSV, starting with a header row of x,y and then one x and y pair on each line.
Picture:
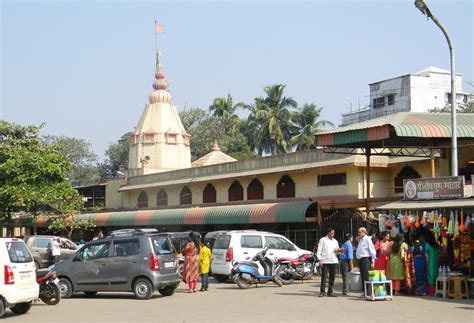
x,y
68,249
250,245
124,263
91,266
279,247
41,249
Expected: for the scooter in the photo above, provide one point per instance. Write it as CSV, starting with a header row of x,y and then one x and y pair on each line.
x,y
246,273
49,290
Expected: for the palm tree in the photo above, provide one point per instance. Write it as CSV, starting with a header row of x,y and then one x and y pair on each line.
x,y
307,126
224,109
273,117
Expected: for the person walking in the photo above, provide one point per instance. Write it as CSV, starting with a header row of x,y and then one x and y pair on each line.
x,y
191,262
328,248
205,257
366,255
56,249
346,263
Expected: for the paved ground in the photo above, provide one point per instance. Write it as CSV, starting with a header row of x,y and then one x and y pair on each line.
x,y
267,303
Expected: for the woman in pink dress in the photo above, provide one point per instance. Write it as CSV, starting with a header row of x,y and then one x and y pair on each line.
x,y
383,248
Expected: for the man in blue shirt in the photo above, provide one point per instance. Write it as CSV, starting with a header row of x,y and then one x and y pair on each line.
x,y
346,262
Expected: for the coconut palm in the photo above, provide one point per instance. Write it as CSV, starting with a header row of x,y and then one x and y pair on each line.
x,y
273,115
224,109
307,126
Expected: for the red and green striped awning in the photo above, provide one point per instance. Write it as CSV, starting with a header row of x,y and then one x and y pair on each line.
x,y
232,214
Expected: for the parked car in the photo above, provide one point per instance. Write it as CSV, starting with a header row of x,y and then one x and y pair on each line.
x,y
18,287
40,247
211,237
137,260
243,245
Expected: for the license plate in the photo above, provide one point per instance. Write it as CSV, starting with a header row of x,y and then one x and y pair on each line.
x,y
56,281
25,276
219,256
169,264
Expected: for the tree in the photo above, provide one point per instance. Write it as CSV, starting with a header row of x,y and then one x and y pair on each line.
x,y
272,115
33,174
69,224
224,109
307,126
81,156
116,156
467,107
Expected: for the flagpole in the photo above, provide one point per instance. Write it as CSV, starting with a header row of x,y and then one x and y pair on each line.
x,y
156,37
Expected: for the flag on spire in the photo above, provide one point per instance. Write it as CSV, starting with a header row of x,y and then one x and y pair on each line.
x,y
159,28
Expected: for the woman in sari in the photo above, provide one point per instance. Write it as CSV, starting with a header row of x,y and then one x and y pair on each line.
x,y
383,248
191,263
432,254
397,265
419,259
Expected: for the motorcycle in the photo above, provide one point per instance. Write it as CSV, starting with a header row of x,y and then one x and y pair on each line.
x,y
302,268
49,291
246,273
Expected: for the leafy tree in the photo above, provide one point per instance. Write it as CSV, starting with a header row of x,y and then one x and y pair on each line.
x,y
467,107
272,116
33,174
307,125
224,109
81,156
69,224
116,155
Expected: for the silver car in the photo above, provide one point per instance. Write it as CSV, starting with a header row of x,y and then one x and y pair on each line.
x,y
40,247
136,260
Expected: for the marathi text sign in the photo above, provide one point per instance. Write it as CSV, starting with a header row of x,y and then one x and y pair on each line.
x,y
433,188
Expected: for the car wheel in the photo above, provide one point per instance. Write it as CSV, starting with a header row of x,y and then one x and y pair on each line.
x,y
167,291
221,278
143,288
65,287
242,281
21,308
2,307
90,293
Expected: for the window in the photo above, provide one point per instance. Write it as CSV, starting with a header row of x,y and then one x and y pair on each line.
x,y
236,192
251,242
332,179
162,198
162,245
391,99
222,242
278,243
18,252
379,102
285,187
148,138
255,190
185,197
171,138
95,251
126,248
142,200
209,194
406,173
42,243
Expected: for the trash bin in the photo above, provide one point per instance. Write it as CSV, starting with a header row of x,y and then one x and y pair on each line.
x,y
355,284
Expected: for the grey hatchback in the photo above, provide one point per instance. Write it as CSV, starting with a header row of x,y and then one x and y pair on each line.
x,y
137,260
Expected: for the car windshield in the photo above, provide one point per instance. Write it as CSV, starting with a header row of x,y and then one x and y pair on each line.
x,y
162,245
18,252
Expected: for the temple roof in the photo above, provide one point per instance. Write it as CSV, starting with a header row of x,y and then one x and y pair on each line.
x,y
215,156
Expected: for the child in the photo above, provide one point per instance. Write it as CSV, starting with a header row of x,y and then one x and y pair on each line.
x,y
205,257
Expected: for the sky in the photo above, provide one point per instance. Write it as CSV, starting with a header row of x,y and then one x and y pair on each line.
x,y
86,68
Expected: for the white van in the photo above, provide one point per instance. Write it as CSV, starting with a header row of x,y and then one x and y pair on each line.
x,y
18,287
243,245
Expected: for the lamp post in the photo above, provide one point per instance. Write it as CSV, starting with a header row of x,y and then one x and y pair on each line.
x,y
423,7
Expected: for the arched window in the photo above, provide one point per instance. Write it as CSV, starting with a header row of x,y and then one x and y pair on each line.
x,y
255,190
185,197
236,192
142,200
285,187
209,194
406,173
162,198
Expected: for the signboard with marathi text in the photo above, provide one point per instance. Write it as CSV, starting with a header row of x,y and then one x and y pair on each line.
x,y
433,188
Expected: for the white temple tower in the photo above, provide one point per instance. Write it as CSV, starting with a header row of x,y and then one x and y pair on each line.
x,y
159,143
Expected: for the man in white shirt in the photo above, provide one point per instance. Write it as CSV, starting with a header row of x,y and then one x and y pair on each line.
x,y
56,249
366,254
328,248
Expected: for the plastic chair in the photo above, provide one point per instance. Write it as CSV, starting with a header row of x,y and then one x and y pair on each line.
x,y
441,286
457,287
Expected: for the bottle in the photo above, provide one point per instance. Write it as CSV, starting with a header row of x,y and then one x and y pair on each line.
x,y
444,270
448,271
440,271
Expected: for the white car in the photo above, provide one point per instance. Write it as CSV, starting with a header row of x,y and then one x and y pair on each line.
x,y
18,287
243,245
